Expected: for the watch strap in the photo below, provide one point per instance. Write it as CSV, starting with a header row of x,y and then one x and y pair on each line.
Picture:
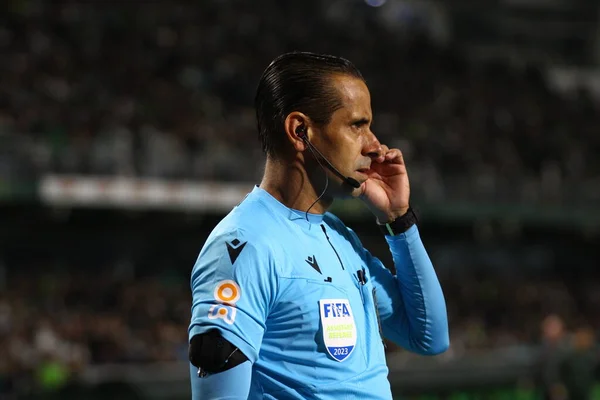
x,y
400,224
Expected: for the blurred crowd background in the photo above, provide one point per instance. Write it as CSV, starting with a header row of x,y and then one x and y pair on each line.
x,y
496,109
167,92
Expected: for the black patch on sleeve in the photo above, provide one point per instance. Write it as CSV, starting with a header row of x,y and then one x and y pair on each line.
x,y
234,248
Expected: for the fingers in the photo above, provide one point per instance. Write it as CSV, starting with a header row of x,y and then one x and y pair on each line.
x,y
393,156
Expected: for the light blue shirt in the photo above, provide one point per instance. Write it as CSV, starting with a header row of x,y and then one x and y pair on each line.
x,y
284,290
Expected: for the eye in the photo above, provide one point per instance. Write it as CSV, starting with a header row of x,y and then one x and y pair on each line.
x,y
360,124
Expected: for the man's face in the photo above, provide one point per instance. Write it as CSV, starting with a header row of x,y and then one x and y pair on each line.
x,y
552,328
347,141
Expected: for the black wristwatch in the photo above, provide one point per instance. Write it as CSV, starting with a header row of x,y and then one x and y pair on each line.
x,y
400,224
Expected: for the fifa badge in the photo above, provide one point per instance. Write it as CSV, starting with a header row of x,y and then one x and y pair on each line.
x,y
339,329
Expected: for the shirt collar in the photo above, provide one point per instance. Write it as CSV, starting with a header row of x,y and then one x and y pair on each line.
x,y
276,206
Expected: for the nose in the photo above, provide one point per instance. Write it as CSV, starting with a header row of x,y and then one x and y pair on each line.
x,y
372,148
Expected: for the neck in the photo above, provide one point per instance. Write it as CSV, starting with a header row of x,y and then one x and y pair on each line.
x,y
288,182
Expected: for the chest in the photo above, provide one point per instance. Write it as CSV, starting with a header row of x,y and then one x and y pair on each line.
x,y
325,296
327,259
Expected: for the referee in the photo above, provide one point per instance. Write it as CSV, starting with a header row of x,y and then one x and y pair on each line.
x,y
287,303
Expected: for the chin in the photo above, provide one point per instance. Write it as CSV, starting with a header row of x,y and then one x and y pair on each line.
x,y
355,192
348,192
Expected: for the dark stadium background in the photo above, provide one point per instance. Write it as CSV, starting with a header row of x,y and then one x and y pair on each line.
x,y
127,132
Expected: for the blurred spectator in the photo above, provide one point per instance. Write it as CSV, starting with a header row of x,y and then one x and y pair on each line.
x,y
554,351
579,366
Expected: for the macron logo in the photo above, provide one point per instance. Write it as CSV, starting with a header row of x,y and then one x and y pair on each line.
x,y
336,310
234,248
312,261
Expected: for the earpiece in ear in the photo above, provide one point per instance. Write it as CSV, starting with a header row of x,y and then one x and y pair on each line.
x,y
301,131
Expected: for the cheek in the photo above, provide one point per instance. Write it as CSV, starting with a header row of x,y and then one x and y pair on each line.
x,y
347,149
351,156
351,140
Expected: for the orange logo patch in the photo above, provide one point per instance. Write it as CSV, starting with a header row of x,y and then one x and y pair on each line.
x,y
227,293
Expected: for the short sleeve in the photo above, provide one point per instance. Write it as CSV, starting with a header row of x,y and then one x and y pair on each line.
x,y
233,285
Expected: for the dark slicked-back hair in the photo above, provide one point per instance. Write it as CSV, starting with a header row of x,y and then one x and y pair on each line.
x,y
298,81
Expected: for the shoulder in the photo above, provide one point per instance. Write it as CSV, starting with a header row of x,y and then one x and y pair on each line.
x,y
251,221
340,227
244,236
333,220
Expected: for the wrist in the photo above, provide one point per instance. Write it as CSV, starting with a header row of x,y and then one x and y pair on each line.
x,y
399,225
392,216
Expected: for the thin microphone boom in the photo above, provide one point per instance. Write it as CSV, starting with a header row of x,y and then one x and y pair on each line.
x,y
350,181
